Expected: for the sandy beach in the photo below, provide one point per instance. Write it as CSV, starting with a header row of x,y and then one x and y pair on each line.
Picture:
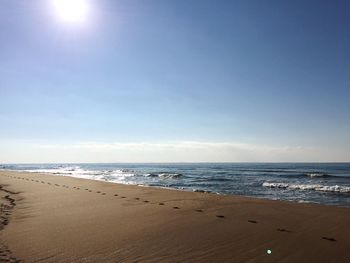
x,y
46,218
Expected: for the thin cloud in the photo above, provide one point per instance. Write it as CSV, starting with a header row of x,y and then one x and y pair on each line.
x,y
174,151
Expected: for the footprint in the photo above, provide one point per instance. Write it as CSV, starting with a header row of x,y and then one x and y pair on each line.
x,y
329,239
115,194
98,192
137,198
160,203
103,193
220,216
146,201
122,197
252,221
198,210
90,191
283,230
176,207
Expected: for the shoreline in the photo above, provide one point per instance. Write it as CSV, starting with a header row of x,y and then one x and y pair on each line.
x,y
309,183
185,190
111,222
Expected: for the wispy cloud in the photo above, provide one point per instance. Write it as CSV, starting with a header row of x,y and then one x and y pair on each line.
x,y
176,151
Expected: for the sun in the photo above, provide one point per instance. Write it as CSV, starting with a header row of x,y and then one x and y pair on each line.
x,y
73,11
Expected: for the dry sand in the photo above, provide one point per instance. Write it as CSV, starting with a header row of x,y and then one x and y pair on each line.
x,y
48,218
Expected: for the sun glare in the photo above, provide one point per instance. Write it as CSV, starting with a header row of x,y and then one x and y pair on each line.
x,y
74,11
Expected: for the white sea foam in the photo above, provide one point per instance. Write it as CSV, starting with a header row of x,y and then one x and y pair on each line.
x,y
304,202
312,175
124,176
314,187
100,175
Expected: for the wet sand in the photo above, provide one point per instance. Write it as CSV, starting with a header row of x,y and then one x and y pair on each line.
x,y
45,218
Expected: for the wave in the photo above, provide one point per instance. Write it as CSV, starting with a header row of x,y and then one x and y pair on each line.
x,y
164,175
314,175
325,175
127,171
76,171
220,179
119,174
317,175
313,187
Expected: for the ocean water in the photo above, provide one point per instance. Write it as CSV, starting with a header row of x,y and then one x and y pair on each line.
x,y
324,183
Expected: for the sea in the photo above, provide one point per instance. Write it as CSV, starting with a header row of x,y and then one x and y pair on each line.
x,y
322,183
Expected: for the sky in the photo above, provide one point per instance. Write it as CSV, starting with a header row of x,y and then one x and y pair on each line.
x,y
174,81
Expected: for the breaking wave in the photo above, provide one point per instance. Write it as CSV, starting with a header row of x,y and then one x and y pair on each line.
x,y
165,175
313,187
77,171
314,175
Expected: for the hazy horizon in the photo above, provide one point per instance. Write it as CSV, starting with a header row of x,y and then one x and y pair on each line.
x,y
166,82
75,163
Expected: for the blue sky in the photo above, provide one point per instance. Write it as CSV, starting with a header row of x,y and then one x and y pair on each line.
x,y
237,80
